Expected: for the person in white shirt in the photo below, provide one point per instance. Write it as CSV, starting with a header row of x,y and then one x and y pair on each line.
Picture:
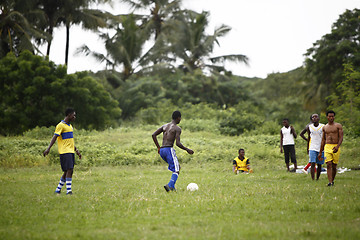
x,y
287,143
315,132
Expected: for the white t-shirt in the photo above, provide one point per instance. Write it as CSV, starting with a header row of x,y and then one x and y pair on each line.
x,y
315,136
288,137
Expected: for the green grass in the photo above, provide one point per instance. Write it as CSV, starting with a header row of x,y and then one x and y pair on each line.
x,y
119,194
130,203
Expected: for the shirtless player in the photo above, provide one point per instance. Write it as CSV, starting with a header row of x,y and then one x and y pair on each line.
x,y
171,132
331,141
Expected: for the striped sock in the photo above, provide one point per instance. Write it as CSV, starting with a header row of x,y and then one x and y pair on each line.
x,y
68,185
173,179
61,184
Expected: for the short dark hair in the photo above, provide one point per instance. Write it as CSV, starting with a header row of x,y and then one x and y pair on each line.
x,y
176,114
330,111
285,119
241,149
69,111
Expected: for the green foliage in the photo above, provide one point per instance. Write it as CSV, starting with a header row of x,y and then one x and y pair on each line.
x,y
35,92
346,100
16,32
238,123
324,63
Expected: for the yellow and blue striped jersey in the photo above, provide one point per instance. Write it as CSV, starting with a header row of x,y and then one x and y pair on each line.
x,y
65,139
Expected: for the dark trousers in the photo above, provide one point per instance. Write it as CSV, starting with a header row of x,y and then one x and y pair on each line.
x,y
289,151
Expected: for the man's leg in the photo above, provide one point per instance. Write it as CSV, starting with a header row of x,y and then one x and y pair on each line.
x,y
329,169
318,172
293,157
61,183
306,168
287,157
312,170
334,170
69,174
173,180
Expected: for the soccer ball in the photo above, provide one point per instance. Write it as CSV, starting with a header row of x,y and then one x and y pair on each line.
x,y
192,187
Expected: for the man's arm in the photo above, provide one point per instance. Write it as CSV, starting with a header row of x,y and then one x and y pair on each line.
x,y
77,152
323,141
234,167
308,139
53,140
302,134
293,131
248,164
179,144
281,141
341,135
154,137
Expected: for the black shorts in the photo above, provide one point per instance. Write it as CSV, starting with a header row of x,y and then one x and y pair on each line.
x,y
67,161
289,152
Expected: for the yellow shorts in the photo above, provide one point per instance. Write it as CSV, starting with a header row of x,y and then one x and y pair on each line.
x,y
330,156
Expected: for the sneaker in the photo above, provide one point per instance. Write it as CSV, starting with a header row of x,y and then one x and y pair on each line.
x,y
69,193
304,171
168,188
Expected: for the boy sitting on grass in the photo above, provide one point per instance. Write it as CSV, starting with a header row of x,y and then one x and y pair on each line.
x,y
241,164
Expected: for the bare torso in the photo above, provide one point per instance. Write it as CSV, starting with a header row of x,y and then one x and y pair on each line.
x,y
169,134
332,133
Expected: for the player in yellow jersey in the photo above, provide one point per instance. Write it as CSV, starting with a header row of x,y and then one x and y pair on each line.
x,y
241,164
66,146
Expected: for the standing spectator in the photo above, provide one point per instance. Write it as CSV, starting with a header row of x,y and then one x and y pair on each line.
x,y
287,143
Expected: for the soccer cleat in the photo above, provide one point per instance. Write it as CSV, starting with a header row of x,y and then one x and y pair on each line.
x,y
69,193
293,170
57,193
168,188
304,171
330,184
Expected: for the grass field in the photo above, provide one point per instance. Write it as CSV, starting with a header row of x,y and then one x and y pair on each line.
x,y
127,200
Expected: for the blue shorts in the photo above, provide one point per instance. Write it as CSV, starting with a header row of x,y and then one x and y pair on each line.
x,y
67,161
169,156
313,157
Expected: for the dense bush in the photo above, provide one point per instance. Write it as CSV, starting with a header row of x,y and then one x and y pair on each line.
x,y
35,92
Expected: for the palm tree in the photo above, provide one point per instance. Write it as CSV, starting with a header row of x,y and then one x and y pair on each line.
x,y
160,12
78,12
194,47
16,33
51,11
124,48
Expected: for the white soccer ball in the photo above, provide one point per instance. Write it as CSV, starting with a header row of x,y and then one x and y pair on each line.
x,y
192,187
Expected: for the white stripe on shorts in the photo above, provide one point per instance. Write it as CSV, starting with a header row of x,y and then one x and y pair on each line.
x,y
176,162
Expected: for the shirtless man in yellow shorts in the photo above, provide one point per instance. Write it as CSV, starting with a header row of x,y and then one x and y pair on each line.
x,y
330,144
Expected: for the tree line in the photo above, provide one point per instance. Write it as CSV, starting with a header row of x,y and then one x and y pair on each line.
x,y
178,36
178,69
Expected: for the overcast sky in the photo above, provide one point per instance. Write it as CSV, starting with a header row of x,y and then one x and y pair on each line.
x,y
274,34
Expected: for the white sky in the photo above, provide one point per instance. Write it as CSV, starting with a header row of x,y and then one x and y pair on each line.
x,y
274,34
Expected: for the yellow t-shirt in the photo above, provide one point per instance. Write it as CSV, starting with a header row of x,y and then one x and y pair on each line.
x,y
241,165
65,139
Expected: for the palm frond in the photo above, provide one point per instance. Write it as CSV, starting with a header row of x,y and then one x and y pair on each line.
x,y
232,57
